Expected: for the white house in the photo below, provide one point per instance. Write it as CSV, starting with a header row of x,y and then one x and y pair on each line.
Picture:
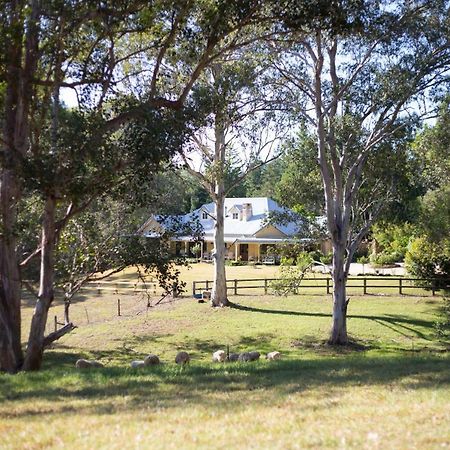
x,y
249,236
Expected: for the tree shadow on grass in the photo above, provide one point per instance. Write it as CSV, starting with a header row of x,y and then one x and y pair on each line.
x,y
101,391
388,320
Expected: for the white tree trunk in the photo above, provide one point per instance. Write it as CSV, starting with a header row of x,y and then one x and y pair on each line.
x,y
338,334
219,291
35,348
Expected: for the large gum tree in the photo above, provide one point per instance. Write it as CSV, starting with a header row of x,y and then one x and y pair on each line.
x,y
124,63
238,135
363,72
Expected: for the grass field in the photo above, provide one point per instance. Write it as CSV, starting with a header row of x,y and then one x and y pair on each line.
x,y
391,392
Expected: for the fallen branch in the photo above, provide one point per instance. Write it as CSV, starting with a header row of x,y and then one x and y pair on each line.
x,y
52,337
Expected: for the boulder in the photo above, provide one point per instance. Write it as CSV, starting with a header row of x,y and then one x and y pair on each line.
x,y
219,356
182,358
137,364
273,355
151,360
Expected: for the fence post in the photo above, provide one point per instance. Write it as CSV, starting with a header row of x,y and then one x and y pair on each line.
x,y
56,323
365,286
433,286
207,285
328,285
194,290
400,286
235,287
118,306
265,286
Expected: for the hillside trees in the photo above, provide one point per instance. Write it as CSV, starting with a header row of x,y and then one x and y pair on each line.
x,y
125,64
359,74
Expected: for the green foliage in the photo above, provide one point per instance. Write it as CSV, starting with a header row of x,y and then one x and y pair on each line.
x,y
326,259
385,258
428,259
233,263
291,273
442,325
435,213
363,260
393,239
300,185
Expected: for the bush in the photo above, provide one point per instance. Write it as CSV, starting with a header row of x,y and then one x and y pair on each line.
x,y
394,239
427,259
326,259
290,274
235,263
442,325
363,260
316,255
385,259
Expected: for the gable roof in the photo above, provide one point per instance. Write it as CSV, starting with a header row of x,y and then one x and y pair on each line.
x,y
234,228
261,208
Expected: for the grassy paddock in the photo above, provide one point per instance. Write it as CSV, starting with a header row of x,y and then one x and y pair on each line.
x,y
391,392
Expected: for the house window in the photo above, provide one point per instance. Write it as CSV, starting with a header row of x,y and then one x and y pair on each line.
x,y
204,215
235,215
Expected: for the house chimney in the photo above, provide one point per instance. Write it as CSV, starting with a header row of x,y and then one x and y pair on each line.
x,y
246,211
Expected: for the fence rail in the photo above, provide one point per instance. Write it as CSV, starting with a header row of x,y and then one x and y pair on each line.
x,y
368,285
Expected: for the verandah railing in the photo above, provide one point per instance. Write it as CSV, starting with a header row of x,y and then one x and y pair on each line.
x,y
363,285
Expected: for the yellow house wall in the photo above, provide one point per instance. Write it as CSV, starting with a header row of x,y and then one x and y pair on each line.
x,y
270,232
253,251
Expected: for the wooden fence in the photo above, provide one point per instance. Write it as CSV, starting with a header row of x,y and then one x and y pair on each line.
x,y
366,285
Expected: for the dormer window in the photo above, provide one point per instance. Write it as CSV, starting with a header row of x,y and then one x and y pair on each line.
x,y
235,216
204,215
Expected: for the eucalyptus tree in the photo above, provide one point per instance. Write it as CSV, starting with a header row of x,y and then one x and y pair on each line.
x,y
364,70
126,65
239,128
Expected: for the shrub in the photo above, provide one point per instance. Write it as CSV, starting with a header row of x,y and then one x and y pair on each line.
x,y
363,260
316,255
290,275
394,239
427,259
232,262
326,259
385,259
442,325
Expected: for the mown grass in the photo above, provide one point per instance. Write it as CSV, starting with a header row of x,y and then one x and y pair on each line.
x,y
390,391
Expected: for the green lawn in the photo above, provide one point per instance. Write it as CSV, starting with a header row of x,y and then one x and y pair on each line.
x,y
391,394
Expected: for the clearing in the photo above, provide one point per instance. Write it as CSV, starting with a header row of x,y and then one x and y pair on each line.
x,y
393,392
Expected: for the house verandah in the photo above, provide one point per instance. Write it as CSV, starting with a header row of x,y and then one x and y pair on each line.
x,y
250,233
238,249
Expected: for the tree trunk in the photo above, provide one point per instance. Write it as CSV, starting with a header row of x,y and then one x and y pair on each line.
x,y
219,291
338,335
35,348
11,356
